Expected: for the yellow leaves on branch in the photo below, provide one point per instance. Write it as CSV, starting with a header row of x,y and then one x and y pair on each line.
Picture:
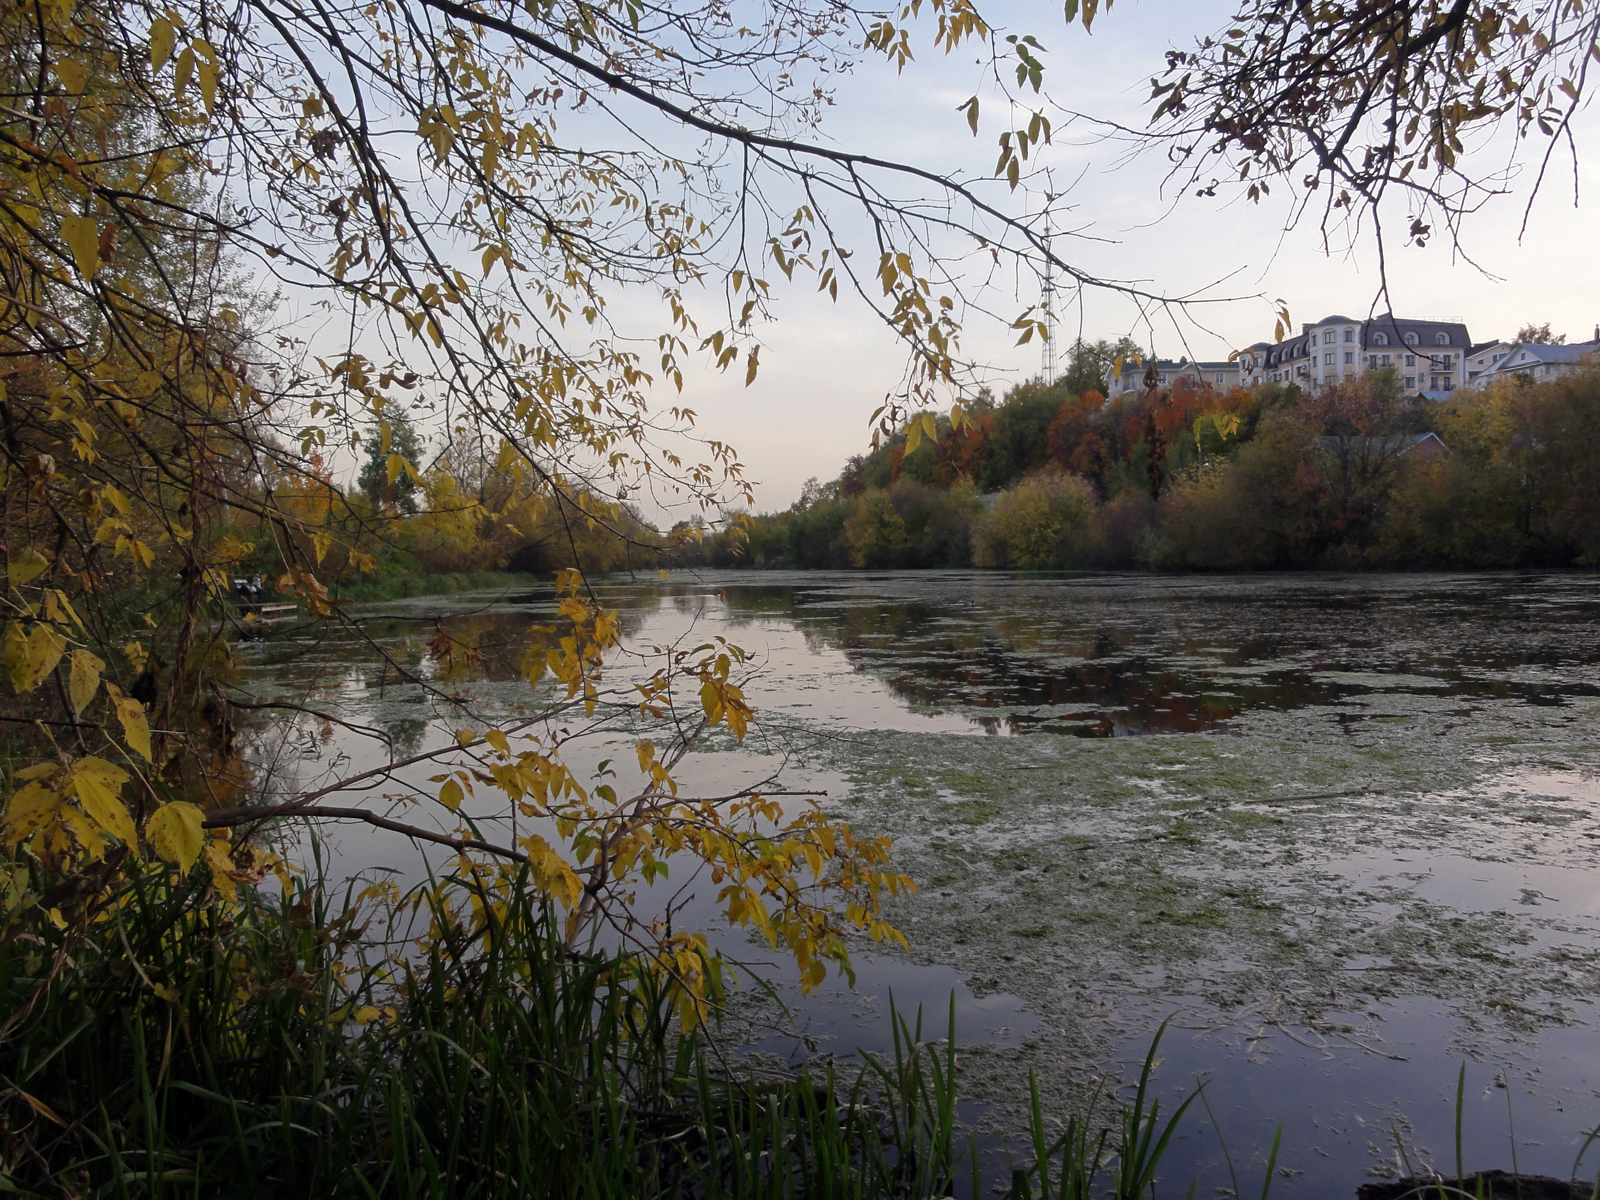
x,y
41,805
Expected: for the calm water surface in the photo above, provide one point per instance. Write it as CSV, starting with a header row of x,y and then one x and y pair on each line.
x,y
1343,831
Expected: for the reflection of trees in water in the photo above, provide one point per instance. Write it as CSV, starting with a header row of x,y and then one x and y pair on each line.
x,y
406,734
1114,666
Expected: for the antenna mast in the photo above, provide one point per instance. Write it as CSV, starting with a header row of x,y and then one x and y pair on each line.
x,y
1048,299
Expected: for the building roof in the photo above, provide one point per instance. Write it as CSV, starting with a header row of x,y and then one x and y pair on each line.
x,y
1425,328
1550,354
1402,443
1182,364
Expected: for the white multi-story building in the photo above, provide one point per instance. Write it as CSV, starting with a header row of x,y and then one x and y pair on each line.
x,y
1429,354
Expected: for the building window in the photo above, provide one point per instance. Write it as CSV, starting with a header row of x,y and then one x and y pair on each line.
x,y
1411,360
1411,339
1380,339
1349,335
1217,378
1349,356
1327,359
1327,338
1385,360
1442,339
1411,381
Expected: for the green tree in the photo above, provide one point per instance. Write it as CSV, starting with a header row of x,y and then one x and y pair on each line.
x,y
383,481
1539,335
1090,364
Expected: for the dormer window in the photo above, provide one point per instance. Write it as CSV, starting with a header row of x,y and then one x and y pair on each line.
x,y
1442,338
1411,339
1380,339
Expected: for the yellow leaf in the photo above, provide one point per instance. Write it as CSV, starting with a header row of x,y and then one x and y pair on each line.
x,y
135,725
752,366
320,541
450,795
73,75
40,650
498,740
82,237
182,72
162,41
98,783
176,833
29,810
85,679
397,465
25,565
223,870
206,68
913,438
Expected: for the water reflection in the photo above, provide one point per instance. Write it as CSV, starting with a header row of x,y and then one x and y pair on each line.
x,y
1087,657
1112,656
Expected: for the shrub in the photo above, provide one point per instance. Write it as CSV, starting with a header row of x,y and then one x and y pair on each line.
x,y
1044,519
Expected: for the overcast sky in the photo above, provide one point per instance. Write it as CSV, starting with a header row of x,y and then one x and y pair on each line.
x,y
825,367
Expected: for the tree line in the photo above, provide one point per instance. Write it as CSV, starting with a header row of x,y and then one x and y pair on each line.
x,y
1198,478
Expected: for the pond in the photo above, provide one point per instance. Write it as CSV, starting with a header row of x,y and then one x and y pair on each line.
x,y
1344,831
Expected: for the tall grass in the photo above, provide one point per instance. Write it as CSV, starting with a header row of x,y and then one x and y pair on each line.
x,y
301,1047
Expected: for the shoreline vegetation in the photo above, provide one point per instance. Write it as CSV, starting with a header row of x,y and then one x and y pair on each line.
x,y
1356,477
275,1049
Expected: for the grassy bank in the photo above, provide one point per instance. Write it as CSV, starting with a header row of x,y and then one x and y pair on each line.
x,y
401,587
163,1046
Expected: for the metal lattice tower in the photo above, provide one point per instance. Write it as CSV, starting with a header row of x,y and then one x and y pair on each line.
x,y
1048,301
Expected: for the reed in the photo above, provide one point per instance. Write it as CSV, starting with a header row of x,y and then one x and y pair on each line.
x,y
306,1046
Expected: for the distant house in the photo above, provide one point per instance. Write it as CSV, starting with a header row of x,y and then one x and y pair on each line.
x,y
1484,357
1540,363
1221,375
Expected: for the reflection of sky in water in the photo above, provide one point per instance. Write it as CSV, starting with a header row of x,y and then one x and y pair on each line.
x,y
1427,693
